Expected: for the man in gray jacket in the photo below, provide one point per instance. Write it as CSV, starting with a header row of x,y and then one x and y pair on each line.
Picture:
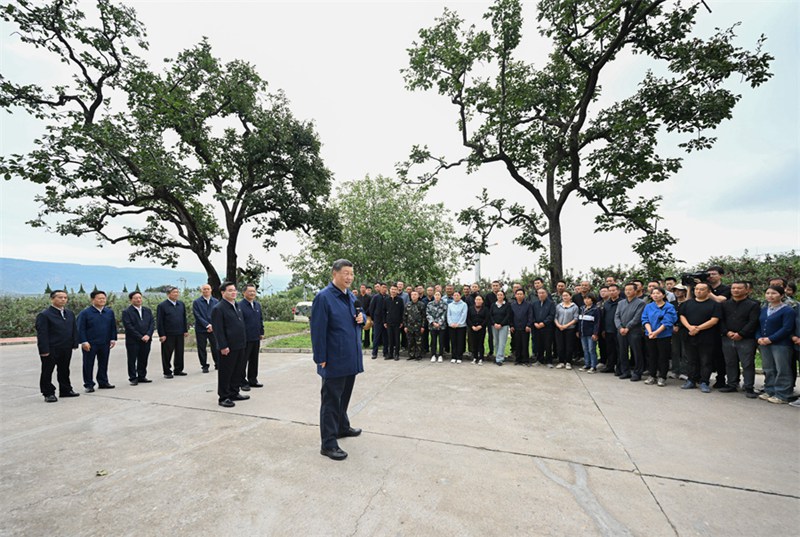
x,y
628,321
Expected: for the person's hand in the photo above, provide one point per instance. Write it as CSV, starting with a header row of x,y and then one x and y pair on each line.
x,y
360,318
693,331
511,329
86,346
209,329
405,330
651,336
675,329
186,334
796,340
623,331
497,326
45,355
386,325
145,338
112,344
421,330
594,337
162,339
262,336
323,364
528,329
225,352
764,341
737,337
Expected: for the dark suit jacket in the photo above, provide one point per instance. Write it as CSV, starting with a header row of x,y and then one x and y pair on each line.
x,y
97,328
544,312
229,328
135,327
54,332
253,319
202,312
171,319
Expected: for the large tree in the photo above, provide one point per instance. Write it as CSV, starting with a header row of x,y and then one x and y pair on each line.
x,y
547,125
397,236
183,160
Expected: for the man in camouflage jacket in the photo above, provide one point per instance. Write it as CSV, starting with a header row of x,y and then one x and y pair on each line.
x,y
414,322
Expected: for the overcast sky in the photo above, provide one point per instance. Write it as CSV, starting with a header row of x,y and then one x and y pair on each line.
x,y
339,64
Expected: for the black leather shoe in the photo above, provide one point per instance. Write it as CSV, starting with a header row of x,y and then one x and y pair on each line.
x,y
205,369
50,398
134,382
635,378
89,390
255,384
625,376
719,385
240,397
70,393
167,375
606,370
350,432
180,374
227,403
245,388
144,381
336,454
727,389
106,386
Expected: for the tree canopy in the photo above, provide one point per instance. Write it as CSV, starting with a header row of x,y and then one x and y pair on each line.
x,y
388,231
181,160
547,125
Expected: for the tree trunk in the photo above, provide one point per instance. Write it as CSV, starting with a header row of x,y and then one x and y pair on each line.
x,y
213,275
556,257
231,258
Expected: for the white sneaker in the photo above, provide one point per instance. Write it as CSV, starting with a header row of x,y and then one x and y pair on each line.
x,y
452,360
458,361
550,366
474,360
795,403
560,366
433,358
592,370
569,365
439,359
480,362
683,377
582,368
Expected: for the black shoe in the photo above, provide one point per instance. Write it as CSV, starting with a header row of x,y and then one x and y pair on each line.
x,y
624,376
728,389
167,375
349,432
205,369
145,381
635,378
106,386
255,384
336,454
375,357
180,374
387,357
227,403
499,363
50,398
245,388
134,382
719,385
90,389
750,393
240,397
397,358
606,370
407,359
70,393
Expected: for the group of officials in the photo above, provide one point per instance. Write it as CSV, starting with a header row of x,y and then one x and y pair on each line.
x,y
232,330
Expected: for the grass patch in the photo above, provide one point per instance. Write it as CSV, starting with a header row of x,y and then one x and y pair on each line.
x,y
302,341
279,328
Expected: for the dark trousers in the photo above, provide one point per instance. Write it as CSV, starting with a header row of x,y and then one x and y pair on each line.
x,y
520,340
426,337
543,344
630,350
138,353
333,420
719,361
393,333
602,349
206,338
100,352
366,338
458,338
250,362
736,352
476,340
491,343
437,346
659,351
700,356
379,338
445,340
170,345
58,358
229,371
566,342
403,339
612,349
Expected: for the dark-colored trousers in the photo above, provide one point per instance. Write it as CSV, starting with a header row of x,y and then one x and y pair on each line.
x,y
393,331
203,339
719,360
100,352
229,371
333,420
631,350
379,337
601,347
680,364
612,349
437,346
736,352
543,344
366,338
520,340
565,344
58,358
403,339
426,338
250,362
170,345
658,354
491,343
138,353
477,342
458,341
700,356
445,340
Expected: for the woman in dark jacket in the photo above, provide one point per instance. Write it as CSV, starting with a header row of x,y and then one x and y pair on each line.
x,y
775,342
477,321
499,320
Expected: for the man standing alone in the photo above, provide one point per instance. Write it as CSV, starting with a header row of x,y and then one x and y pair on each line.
x,y
56,336
173,327
203,329
336,343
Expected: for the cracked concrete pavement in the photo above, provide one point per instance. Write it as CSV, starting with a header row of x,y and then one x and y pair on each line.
x,y
446,450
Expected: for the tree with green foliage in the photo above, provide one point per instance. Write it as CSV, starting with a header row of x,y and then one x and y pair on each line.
x,y
549,127
110,160
81,291
137,288
47,289
124,289
399,236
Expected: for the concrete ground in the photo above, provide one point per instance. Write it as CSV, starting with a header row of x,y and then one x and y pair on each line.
x,y
446,450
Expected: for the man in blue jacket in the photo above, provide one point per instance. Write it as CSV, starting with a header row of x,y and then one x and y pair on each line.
x,y
336,343
56,337
203,329
254,326
173,327
97,332
139,325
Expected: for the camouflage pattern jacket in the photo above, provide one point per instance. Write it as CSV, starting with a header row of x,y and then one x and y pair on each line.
x,y
414,316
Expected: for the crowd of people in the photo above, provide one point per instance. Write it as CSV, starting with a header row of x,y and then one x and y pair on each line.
x,y
639,331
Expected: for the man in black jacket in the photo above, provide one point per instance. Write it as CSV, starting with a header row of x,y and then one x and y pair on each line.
x,y
56,337
139,325
609,330
738,326
231,336
393,321
544,313
365,295
377,310
173,327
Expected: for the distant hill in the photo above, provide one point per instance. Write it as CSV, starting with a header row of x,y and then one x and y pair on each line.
x,y
21,276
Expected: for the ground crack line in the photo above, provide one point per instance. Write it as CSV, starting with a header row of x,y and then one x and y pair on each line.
x,y
369,503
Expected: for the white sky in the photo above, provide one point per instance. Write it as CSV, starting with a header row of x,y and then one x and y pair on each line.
x,y
339,64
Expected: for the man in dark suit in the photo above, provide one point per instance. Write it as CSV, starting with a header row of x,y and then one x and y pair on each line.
x,y
139,325
254,326
231,336
173,327
377,310
203,329
336,343
56,337
97,332
544,313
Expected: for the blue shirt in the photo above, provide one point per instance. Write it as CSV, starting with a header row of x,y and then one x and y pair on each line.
x,y
335,335
655,316
457,313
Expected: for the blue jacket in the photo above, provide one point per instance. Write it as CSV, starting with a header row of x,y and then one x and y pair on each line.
x,y
171,320
137,327
54,332
97,328
457,313
521,314
202,312
253,319
544,312
656,316
335,335
589,321
779,326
